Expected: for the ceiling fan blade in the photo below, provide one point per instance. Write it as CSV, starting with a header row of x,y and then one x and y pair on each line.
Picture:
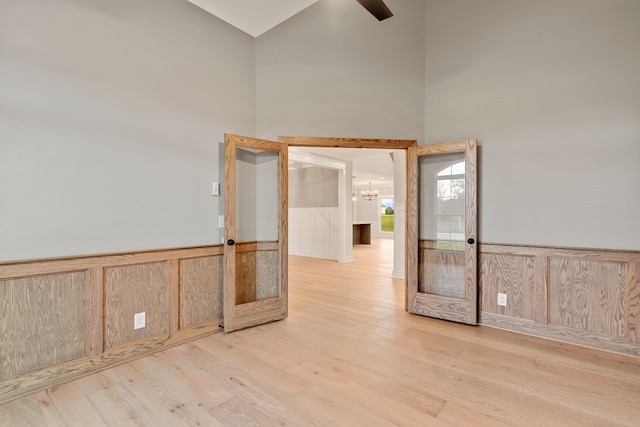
x,y
377,8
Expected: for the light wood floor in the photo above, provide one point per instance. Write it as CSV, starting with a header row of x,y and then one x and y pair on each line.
x,y
349,355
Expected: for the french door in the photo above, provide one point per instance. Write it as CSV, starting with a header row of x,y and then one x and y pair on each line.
x,y
255,224
442,231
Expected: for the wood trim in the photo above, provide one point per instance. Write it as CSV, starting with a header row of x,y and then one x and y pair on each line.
x,y
596,254
559,333
257,246
541,289
411,229
105,254
174,295
258,312
471,230
632,302
442,307
229,275
38,267
94,310
284,231
312,141
246,247
253,143
445,147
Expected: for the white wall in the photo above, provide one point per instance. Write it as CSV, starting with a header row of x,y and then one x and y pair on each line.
x,y
112,111
334,70
552,91
313,187
111,115
314,232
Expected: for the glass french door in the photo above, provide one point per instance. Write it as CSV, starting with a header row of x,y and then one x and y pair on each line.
x,y
442,230
255,224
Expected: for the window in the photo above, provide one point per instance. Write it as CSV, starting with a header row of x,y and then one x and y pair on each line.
x,y
450,226
386,215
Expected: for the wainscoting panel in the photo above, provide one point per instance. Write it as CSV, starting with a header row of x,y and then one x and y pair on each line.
x,y
446,275
200,289
256,271
512,275
245,273
134,289
313,232
588,297
632,302
267,272
42,321
61,319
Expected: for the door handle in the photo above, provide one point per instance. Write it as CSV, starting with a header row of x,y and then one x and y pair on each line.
x,y
231,242
471,241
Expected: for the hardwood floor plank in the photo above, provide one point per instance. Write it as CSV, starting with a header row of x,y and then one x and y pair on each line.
x,y
54,404
25,412
454,414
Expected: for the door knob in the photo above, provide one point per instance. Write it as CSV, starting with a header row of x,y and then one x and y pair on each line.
x,y
231,242
471,241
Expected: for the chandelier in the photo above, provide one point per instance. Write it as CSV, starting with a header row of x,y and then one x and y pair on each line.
x,y
369,194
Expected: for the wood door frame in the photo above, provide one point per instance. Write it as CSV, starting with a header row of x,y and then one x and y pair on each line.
x,y
385,144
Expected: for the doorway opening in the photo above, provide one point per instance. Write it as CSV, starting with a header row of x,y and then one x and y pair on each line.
x,y
370,200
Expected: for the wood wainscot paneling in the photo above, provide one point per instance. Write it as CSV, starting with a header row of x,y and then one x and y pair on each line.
x,y
256,271
135,289
61,319
267,262
589,297
446,277
512,275
42,321
200,290
245,265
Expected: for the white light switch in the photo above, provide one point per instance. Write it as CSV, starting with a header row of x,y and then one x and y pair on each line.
x,y
216,189
220,221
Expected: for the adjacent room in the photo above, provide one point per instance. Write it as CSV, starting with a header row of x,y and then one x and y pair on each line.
x,y
319,212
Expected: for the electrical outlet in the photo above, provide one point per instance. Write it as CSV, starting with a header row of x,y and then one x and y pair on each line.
x,y
502,299
139,320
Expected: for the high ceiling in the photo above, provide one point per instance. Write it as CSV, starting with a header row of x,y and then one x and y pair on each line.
x,y
254,17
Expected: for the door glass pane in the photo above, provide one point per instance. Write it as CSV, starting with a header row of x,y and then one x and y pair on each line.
x,y
441,205
257,257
